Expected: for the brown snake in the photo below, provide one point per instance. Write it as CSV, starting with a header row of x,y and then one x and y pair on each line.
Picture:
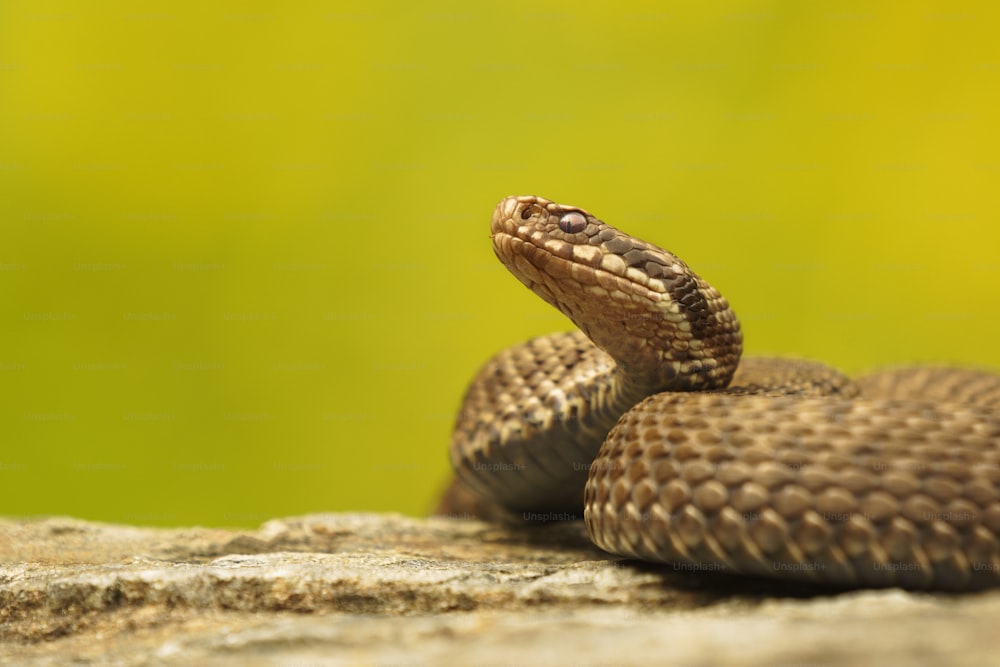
x,y
776,468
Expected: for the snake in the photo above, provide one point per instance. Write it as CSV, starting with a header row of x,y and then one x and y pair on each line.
x,y
681,451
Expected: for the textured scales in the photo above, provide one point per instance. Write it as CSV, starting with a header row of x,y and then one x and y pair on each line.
x,y
792,471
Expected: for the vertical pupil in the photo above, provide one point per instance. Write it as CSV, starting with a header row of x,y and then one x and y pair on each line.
x,y
572,223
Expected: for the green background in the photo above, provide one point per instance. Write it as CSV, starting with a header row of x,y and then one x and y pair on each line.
x,y
245,268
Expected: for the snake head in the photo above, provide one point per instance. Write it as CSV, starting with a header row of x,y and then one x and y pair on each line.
x,y
638,302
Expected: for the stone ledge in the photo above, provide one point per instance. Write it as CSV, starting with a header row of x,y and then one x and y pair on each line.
x,y
336,589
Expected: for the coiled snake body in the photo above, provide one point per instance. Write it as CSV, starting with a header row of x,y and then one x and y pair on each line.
x,y
680,453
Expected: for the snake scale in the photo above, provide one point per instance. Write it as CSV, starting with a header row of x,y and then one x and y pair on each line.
x,y
679,452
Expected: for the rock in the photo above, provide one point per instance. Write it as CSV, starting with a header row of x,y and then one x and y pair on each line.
x,y
385,589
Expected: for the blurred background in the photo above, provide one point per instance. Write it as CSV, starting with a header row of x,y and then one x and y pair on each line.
x,y
245,269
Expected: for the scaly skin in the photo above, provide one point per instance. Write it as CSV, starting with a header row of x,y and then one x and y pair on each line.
x,y
776,468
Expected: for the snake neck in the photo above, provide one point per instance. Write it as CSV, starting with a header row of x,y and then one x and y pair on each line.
x,y
618,393
607,394
664,350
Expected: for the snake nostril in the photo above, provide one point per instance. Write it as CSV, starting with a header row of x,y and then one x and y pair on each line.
x,y
526,213
572,222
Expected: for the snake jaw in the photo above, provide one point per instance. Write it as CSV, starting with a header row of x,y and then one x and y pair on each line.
x,y
639,303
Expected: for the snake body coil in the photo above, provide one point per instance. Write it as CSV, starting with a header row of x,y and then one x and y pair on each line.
x,y
678,452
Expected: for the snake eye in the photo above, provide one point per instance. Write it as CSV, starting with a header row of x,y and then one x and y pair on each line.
x,y
526,213
572,222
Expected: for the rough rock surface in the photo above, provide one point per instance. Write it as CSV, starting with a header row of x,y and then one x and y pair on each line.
x,y
385,589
